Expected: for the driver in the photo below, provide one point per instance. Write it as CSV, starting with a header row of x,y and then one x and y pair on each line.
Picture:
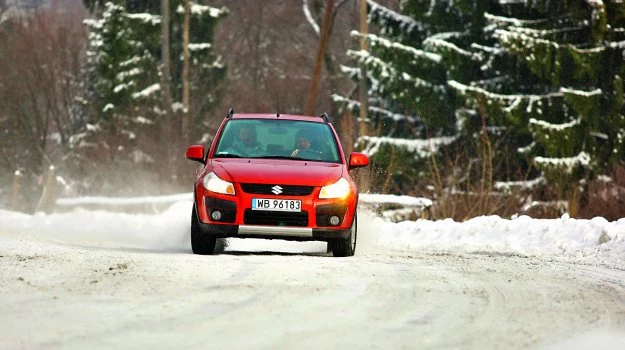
x,y
245,143
304,144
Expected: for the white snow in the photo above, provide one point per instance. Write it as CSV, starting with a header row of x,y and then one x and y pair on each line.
x,y
440,40
555,127
387,71
107,107
406,23
200,46
580,92
99,279
203,9
123,201
508,2
594,241
507,186
309,17
147,91
142,120
595,3
351,104
378,40
507,36
129,73
512,101
422,148
145,18
509,20
131,61
565,163
407,201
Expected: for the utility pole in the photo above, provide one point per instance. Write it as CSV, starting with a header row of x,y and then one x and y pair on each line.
x,y
167,124
362,89
186,118
323,42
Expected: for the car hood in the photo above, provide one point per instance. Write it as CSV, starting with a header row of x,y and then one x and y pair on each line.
x,y
271,171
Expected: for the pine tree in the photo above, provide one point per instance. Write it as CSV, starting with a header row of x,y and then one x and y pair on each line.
x,y
412,108
562,88
534,88
123,82
124,93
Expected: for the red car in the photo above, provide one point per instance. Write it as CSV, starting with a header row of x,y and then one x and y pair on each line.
x,y
275,177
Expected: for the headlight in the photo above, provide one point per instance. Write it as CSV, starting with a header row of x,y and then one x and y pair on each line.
x,y
339,189
214,184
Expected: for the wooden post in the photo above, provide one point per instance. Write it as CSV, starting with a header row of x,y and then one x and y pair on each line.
x,y
15,193
166,124
46,202
362,89
186,118
325,33
364,175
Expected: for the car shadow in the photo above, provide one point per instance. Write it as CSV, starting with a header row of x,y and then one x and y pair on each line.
x,y
222,250
268,253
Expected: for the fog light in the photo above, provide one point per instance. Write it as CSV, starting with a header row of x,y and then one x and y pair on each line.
x,y
334,220
216,215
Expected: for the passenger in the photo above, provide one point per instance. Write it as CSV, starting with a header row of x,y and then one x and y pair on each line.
x,y
245,143
304,146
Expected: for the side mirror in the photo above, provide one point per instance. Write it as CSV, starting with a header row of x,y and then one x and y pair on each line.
x,y
358,160
195,152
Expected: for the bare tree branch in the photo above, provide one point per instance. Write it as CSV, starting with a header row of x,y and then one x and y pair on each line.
x,y
312,21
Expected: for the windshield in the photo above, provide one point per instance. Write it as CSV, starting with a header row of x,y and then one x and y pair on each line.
x,y
279,139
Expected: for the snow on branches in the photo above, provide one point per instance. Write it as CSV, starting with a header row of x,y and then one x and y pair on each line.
x,y
421,148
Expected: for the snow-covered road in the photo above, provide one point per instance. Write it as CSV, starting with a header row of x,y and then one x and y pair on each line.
x,y
103,280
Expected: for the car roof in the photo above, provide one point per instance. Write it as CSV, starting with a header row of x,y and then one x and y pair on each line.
x,y
317,119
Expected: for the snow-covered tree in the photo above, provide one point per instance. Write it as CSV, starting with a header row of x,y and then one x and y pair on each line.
x,y
531,87
412,109
121,65
124,92
562,85
123,84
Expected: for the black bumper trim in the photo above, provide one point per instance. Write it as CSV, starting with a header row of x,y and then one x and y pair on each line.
x,y
232,231
325,211
217,203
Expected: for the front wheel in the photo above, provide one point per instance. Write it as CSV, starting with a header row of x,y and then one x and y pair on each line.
x,y
346,246
201,243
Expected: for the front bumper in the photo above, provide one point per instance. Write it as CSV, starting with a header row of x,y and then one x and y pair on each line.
x,y
237,219
273,232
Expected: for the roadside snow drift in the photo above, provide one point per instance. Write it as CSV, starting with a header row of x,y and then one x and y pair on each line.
x,y
595,239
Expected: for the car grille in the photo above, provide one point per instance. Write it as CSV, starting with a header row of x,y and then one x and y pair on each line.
x,y
285,190
275,218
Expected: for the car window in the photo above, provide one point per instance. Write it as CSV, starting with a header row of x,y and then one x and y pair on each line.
x,y
259,138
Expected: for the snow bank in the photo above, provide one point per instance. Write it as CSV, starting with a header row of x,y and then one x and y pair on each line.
x,y
593,241
166,231
564,237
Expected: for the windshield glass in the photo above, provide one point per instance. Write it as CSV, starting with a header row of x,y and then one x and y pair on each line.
x,y
276,138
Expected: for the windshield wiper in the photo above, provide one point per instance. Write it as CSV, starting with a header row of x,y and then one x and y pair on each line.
x,y
277,157
290,158
226,155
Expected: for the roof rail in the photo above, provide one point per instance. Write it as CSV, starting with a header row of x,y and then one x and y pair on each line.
x,y
230,113
325,118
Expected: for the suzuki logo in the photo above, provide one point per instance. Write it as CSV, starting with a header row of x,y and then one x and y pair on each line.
x,y
276,189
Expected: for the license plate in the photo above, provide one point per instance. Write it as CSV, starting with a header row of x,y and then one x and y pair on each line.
x,y
276,204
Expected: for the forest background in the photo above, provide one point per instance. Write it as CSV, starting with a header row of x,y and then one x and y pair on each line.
x,y
500,107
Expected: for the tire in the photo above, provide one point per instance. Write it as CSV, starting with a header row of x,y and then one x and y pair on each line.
x,y
346,247
201,243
